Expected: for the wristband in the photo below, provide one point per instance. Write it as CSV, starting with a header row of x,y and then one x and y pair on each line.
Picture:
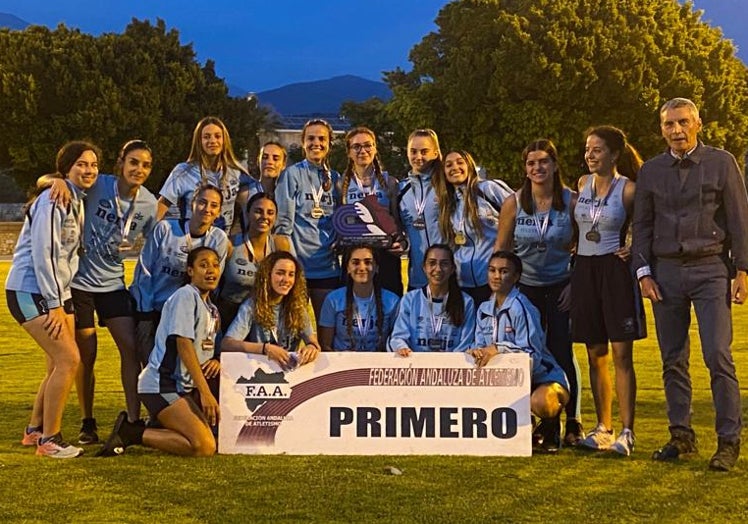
x,y
264,348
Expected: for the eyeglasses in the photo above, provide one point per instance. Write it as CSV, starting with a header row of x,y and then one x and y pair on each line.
x,y
368,146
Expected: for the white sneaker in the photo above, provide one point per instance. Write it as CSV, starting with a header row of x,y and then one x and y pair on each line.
x,y
56,448
599,439
624,444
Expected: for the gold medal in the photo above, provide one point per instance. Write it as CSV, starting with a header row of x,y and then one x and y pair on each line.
x,y
125,245
460,238
317,212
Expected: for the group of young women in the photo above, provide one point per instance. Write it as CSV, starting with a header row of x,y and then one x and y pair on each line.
x,y
231,261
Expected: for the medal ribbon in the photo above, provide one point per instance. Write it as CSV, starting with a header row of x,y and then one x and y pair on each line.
x,y
125,220
541,225
436,320
362,322
596,212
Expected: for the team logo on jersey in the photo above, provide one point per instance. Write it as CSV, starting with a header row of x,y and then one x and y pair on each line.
x,y
241,262
106,204
366,222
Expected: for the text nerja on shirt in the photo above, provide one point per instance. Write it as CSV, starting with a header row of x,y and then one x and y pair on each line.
x,y
418,327
107,215
305,211
162,264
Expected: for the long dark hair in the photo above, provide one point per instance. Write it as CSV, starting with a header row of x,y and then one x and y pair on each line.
x,y
455,306
350,302
629,161
448,198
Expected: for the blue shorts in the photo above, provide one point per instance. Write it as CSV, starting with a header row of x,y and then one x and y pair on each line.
x,y
25,306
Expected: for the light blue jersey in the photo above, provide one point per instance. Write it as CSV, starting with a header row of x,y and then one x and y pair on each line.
x,y
46,254
185,315
180,186
244,328
107,213
515,325
551,262
423,325
472,256
162,264
608,215
419,215
365,334
356,193
241,268
312,237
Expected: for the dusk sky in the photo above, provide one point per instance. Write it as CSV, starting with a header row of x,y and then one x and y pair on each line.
x,y
263,44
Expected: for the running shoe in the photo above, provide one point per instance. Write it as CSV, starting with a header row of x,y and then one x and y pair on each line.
x,y
624,444
57,448
30,438
599,439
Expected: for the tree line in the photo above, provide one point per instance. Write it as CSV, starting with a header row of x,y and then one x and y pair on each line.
x,y
62,84
494,76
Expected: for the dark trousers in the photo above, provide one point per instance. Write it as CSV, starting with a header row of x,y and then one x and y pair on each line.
x,y
558,337
707,287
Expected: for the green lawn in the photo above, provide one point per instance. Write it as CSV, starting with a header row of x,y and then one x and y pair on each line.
x,y
572,486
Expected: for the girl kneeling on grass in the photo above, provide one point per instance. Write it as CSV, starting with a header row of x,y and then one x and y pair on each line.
x,y
508,322
174,385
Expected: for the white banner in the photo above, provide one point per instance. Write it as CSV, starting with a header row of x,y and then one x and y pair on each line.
x,y
349,403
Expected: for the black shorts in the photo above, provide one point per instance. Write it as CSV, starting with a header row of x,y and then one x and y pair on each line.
x,y
606,301
25,306
155,403
108,304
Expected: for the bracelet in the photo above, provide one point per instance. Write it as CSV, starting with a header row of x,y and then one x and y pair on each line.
x,y
264,348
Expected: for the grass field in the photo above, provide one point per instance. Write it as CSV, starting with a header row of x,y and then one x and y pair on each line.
x,y
570,487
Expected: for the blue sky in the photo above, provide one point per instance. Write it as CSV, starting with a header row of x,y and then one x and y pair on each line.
x,y
263,44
